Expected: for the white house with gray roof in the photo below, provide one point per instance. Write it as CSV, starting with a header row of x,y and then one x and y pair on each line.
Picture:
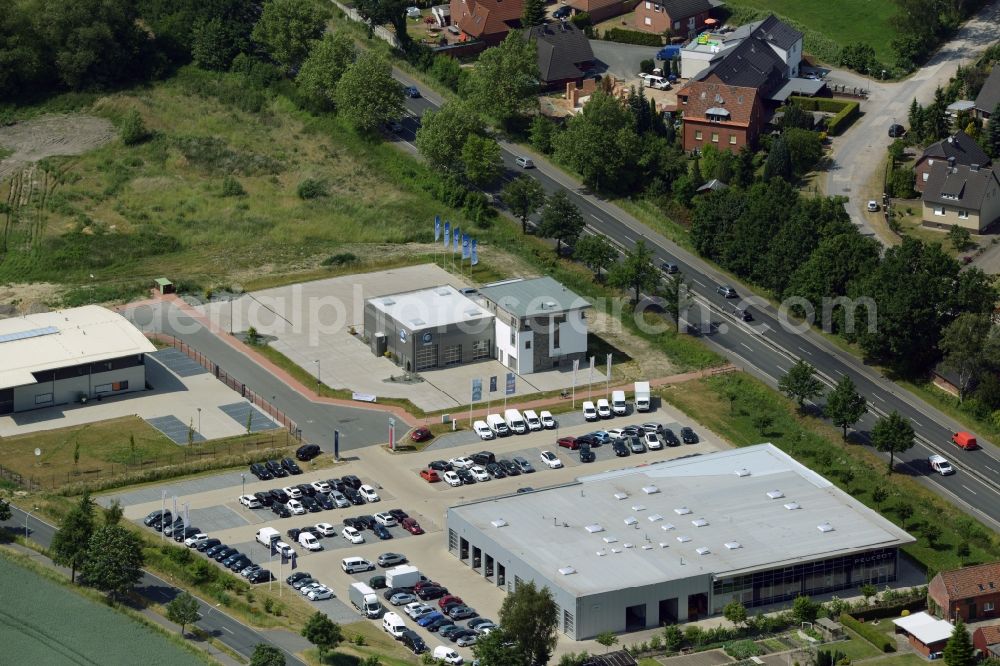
x,y
677,540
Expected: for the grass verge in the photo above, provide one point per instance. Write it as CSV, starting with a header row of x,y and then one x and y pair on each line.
x,y
950,405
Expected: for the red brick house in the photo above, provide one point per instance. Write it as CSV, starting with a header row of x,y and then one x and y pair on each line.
x,y
926,634
987,640
958,148
599,10
488,20
725,106
684,18
972,593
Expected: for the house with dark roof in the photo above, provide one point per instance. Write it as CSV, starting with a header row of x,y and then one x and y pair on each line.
x,y
564,53
962,196
972,593
989,95
681,17
986,639
599,10
959,146
487,20
708,49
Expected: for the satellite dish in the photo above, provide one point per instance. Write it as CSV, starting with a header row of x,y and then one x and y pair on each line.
x,y
38,452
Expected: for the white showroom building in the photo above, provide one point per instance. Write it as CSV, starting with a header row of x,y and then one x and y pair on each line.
x,y
677,540
56,358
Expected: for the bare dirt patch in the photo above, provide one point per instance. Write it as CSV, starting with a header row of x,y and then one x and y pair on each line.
x,y
24,298
47,136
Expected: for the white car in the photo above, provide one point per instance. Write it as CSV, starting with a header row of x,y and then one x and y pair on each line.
x,y
321,486
293,492
319,593
309,541
326,529
479,473
940,464
283,548
306,589
653,442
352,535
615,433
551,460
417,609
386,519
461,462
547,421
295,507
195,539
368,493
452,479
249,501
448,655
872,206
604,409
483,430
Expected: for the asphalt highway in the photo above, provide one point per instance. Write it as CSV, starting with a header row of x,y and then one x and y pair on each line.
x,y
768,349
214,622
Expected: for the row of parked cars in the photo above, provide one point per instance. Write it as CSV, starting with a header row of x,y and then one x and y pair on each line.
x,y
297,500
479,467
513,422
630,439
431,606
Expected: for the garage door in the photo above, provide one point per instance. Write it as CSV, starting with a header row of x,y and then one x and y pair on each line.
x,y
427,357
453,354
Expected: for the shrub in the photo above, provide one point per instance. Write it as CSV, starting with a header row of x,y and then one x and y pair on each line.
x,y
646,66
340,259
624,36
133,130
744,649
869,633
581,20
232,187
311,188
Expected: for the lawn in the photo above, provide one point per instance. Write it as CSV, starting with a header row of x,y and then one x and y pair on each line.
x,y
106,448
856,648
43,622
830,25
909,659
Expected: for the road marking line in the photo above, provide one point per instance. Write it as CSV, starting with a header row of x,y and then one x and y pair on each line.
x,y
630,240
839,372
879,397
780,368
919,424
596,218
969,489
229,630
699,283
992,470
805,350
747,346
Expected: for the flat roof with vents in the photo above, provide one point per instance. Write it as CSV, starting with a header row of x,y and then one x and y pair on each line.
x,y
65,338
743,529
532,297
431,308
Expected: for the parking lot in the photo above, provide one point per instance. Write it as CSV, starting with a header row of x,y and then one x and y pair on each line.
x,y
214,507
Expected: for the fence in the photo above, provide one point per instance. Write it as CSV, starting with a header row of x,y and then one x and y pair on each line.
x,y
230,381
380,31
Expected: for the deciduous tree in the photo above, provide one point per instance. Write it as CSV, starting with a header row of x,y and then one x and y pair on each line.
x,y
530,617
329,57
844,405
380,12
286,28
601,144
779,161
71,541
114,560
322,632
5,512
892,434
607,639
735,612
800,383
561,220
966,345
482,159
504,82
183,610
596,252
265,654
523,196
636,271
675,294
498,649
443,132
367,96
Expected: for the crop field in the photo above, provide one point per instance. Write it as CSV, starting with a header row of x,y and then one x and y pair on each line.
x,y
44,623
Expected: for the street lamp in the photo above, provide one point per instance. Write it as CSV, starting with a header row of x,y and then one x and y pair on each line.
x,y
243,478
163,509
318,381
26,516
199,420
392,433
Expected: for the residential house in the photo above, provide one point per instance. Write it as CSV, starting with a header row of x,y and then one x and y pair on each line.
x,y
680,17
989,95
726,106
599,10
972,593
959,146
709,49
959,195
926,634
986,639
564,53
488,20
540,324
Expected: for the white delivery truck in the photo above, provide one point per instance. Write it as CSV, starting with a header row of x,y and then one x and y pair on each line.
x,y
618,405
515,421
642,397
364,599
531,418
405,575
589,411
497,425
394,625
309,542
267,535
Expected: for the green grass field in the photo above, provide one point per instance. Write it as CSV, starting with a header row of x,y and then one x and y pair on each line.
x,y
42,622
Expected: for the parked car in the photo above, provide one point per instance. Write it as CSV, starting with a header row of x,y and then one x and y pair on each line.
x,y
377,582
467,641
352,481
195,539
265,498
339,500
239,563
452,479
260,576
307,452
276,470
279,495
324,501
281,510
548,422
551,460
461,613
354,496
305,581
398,514
496,470
466,476
450,599
326,529
154,517
439,466
205,545
636,445
183,534
421,435
586,455
430,618
386,519
562,12
352,535
307,489
295,507
412,526
293,492
652,442
321,486
896,131
431,592
368,493
411,92
509,468
689,436
523,465
429,475
872,206
461,462
483,430
620,447
223,554
298,575
381,532
402,599
670,438
290,466
568,442
261,472
311,505
319,593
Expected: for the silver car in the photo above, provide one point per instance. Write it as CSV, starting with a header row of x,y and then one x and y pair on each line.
x,y
402,598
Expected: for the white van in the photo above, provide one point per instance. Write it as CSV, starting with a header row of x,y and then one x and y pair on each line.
x,y
515,421
497,425
534,423
940,464
267,535
618,404
603,409
589,411
356,565
394,625
654,81
483,430
309,542
547,421
447,655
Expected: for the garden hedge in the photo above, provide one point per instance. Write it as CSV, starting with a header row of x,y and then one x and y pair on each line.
x,y
633,37
869,633
846,110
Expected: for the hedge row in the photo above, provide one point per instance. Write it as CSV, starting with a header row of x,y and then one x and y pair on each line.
x,y
869,633
846,110
633,37
892,610
843,119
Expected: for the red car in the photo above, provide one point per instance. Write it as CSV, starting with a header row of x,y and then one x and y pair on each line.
x,y
568,443
429,475
412,526
421,584
450,599
421,435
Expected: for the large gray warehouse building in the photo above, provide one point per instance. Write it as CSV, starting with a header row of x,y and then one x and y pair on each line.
x,y
678,540
55,358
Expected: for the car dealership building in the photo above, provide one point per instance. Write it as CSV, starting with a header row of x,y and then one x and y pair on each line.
x,y
677,540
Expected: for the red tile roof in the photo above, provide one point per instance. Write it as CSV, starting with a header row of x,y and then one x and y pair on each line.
x,y
972,581
991,633
712,93
478,18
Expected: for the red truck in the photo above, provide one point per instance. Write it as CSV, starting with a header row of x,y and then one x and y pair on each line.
x,y
965,440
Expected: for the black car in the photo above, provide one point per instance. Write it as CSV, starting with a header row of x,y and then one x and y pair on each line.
x,y
307,452
208,544
265,498
410,638
669,268
440,465
158,522
324,501
215,550
586,455
399,515
352,522
223,554
483,458
376,582
275,468
455,635
337,484
562,12
429,592
636,445
261,472
280,496
262,576
620,448
181,535
670,438
632,431
352,481
354,496
364,522
509,467
306,489
411,92
495,470
232,557
154,517
896,131
281,510
239,564
689,436
298,575
587,440
466,476
293,533
302,582
311,505
381,532
438,623
290,466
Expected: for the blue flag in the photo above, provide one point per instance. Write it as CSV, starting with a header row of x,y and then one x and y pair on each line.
x,y
465,246
458,238
274,551
295,559
437,228
447,234
475,251
284,557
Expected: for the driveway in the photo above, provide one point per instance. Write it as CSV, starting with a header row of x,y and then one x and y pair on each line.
x,y
622,60
857,156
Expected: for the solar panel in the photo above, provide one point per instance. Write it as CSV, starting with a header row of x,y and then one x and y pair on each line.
x,y
25,335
